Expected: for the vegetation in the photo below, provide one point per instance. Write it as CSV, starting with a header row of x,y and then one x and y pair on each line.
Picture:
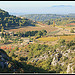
x,y
45,50
10,21
49,18
39,56
72,31
44,17
31,33
48,39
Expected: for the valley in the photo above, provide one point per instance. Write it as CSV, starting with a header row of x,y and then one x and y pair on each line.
x,y
37,47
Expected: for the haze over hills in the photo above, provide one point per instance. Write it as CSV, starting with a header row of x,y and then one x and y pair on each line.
x,y
65,9
53,12
45,17
62,6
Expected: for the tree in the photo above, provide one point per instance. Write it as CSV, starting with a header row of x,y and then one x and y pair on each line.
x,y
6,40
44,32
13,33
72,31
29,37
19,34
1,24
61,41
2,35
48,23
2,29
53,23
6,24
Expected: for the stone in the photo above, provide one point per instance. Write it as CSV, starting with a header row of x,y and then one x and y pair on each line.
x,y
6,64
36,60
2,65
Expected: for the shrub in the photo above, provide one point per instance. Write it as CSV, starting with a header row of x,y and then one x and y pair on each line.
x,y
65,58
72,31
70,43
61,41
16,48
23,58
72,48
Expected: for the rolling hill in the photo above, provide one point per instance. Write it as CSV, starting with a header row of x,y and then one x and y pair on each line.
x,y
7,20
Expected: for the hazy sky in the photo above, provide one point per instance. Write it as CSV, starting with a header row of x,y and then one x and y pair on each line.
x,y
25,6
15,4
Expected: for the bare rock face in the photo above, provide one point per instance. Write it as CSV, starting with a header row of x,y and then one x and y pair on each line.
x,y
70,68
56,59
54,62
3,59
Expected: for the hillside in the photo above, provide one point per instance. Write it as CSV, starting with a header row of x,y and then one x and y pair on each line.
x,y
8,65
43,17
41,58
28,46
60,21
10,21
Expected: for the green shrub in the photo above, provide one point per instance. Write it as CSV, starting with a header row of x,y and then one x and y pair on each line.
x,y
16,48
61,41
72,31
72,48
65,58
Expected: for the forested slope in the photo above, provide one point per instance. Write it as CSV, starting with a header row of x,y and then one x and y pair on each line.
x,y
7,20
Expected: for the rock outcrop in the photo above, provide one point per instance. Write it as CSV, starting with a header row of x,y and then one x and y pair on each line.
x,y
3,59
56,59
70,68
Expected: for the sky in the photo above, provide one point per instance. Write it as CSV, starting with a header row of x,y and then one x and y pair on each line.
x,y
31,6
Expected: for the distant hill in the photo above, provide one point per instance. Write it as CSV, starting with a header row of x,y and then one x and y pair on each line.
x,y
7,20
60,21
45,17
62,6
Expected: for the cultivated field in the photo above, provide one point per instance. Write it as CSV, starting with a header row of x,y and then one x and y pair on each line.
x,y
67,38
44,39
30,28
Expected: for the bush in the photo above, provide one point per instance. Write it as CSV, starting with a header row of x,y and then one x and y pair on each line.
x,y
65,58
72,31
23,58
16,48
2,41
61,41
72,48
70,43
